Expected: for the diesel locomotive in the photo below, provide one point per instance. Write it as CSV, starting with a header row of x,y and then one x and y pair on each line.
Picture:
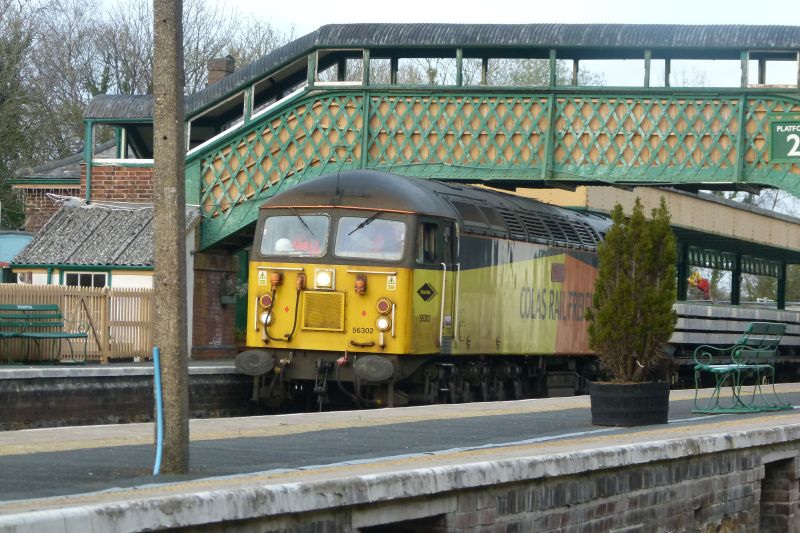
x,y
380,289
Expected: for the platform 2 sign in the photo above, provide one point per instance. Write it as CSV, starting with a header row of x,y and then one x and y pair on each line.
x,y
784,141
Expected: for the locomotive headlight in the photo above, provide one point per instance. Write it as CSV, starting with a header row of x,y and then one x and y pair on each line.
x,y
384,323
323,278
267,318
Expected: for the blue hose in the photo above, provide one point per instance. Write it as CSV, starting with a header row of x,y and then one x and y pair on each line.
x,y
159,411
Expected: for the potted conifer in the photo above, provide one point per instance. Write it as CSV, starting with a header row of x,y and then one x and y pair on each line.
x,y
631,317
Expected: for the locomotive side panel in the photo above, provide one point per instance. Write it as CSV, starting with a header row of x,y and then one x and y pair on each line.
x,y
529,299
426,320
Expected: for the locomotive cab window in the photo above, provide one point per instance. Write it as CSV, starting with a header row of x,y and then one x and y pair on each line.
x,y
427,245
296,235
370,238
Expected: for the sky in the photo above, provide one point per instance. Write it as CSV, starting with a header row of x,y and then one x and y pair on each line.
x,y
308,15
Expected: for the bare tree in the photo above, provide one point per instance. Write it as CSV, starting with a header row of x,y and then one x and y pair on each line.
x,y
254,39
64,74
125,47
17,118
210,30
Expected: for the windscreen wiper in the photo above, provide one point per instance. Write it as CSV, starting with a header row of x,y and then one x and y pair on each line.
x,y
303,222
367,221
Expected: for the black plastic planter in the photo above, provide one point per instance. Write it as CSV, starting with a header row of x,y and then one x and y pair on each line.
x,y
629,404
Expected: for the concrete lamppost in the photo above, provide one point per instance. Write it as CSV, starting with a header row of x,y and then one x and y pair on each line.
x,y
170,231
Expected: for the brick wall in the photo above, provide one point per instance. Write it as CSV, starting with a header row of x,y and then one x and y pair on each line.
x,y
720,491
740,490
213,324
39,207
47,402
119,184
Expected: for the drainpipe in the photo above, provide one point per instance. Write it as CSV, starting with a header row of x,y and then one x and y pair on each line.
x,y
88,152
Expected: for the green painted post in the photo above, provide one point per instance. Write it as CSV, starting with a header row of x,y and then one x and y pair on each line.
x,y
736,280
485,70
739,169
365,59
459,66
192,182
781,297
648,55
797,61
393,66
119,148
683,271
547,164
311,74
667,68
341,69
744,60
365,131
248,105
553,67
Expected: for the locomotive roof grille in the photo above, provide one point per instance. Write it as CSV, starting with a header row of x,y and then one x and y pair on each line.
x,y
536,228
482,211
515,227
586,234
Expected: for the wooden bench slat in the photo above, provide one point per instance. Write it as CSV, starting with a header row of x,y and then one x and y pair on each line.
x,y
30,325
52,335
28,315
28,307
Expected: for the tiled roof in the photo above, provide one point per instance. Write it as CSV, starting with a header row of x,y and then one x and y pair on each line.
x,y
710,38
95,234
68,167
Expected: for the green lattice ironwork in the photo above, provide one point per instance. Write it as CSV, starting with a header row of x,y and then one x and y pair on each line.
x,y
679,137
424,135
623,139
704,258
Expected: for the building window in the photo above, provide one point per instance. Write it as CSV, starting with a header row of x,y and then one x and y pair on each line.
x,y
85,279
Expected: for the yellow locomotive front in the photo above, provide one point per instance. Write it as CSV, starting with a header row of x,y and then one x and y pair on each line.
x,y
329,303
327,281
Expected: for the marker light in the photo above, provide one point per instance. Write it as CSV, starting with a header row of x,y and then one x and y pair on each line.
x,y
384,323
384,305
361,284
265,301
266,318
323,279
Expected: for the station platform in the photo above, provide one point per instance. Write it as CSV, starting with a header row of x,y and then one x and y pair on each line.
x,y
54,477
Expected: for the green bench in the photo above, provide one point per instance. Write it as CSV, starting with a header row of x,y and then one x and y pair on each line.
x,y
40,323
748,363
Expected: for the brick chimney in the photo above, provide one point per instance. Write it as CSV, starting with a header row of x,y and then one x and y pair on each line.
x,y
219,68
